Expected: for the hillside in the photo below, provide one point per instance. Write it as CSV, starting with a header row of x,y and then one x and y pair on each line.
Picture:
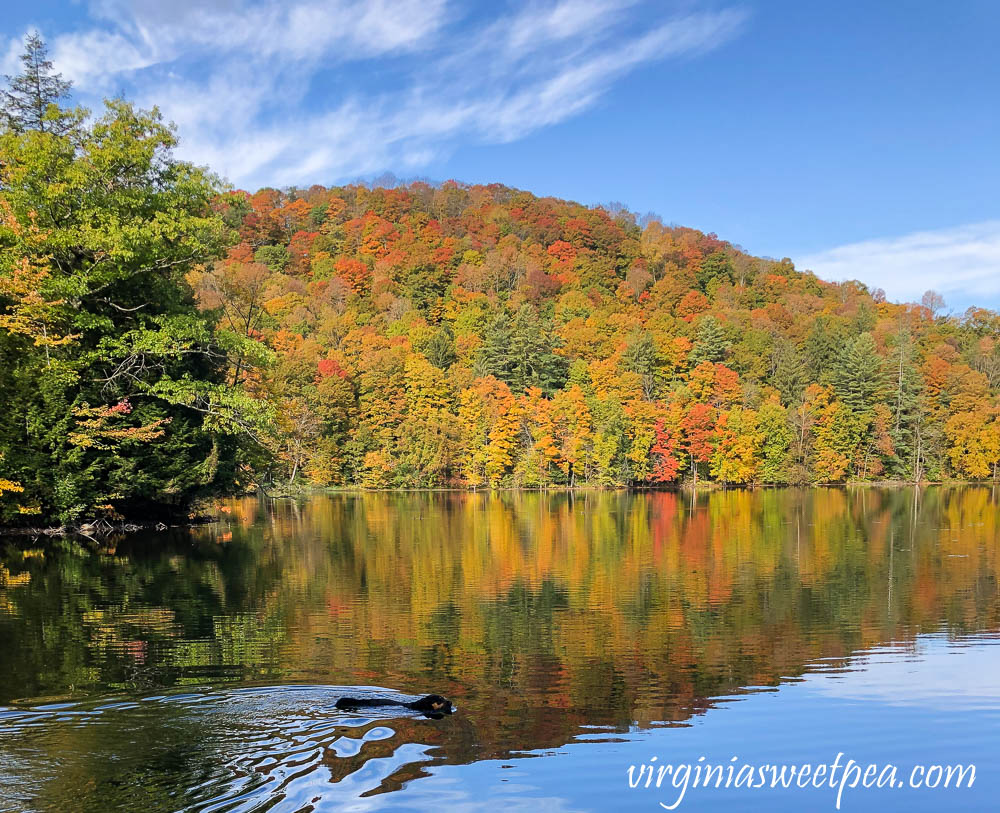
x,y
480,335
164,340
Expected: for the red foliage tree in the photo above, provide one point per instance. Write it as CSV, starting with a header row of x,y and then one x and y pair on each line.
x,y
698,427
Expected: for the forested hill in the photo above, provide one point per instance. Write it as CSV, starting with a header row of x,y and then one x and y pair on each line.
x,y
164,340
480,335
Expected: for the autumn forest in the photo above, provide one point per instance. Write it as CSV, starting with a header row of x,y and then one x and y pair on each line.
x,y
165,339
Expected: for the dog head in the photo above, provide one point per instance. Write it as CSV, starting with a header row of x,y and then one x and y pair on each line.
x,y
434,704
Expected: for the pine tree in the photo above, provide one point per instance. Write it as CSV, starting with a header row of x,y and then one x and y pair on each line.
x,y
821,350
31,101
789,376
859,378
518,351
710,343
440,350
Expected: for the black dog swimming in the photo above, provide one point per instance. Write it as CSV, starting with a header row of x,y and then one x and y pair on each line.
x,y
431,705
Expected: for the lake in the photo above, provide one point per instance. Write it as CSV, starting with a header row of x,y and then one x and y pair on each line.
x,y
580,634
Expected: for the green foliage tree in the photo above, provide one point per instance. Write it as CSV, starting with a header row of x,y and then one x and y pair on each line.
x,y
519,351
790,375
822,345
114,386
714,269
274,257
424,285
710,342
642,357
440,349
776,440
859,376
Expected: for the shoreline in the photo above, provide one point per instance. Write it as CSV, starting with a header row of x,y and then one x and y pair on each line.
x,y
104,528
675,488
101,528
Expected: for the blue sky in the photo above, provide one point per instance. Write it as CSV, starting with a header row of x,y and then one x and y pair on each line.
x,y
859,139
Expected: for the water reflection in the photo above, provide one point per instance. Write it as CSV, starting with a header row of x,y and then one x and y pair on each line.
x,y
546,617
230,750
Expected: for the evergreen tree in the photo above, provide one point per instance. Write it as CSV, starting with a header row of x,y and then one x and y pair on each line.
x,y
859,376
31,100
789,376
440,350
518,351
710,343
715,267
821,349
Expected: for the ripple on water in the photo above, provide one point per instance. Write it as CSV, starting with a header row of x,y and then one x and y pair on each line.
x,y
274,748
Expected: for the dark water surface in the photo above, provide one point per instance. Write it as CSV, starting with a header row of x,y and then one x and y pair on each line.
x,y
578,634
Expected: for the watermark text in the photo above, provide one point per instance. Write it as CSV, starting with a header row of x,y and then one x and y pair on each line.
x,y
839,775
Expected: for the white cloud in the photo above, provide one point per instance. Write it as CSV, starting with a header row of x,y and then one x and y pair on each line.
x,y
10,63
299,30
306,91
961,263
569,18
86,56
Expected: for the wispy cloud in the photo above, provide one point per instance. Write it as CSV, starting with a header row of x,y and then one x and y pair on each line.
x,y
295,31
961,263
315,90
10,51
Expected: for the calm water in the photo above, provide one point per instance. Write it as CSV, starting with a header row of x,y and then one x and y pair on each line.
x,y
579,636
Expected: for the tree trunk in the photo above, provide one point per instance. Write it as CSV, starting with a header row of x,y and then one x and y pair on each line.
x,y
899,388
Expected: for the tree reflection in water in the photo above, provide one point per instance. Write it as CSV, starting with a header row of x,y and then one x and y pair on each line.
x,y
537,613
